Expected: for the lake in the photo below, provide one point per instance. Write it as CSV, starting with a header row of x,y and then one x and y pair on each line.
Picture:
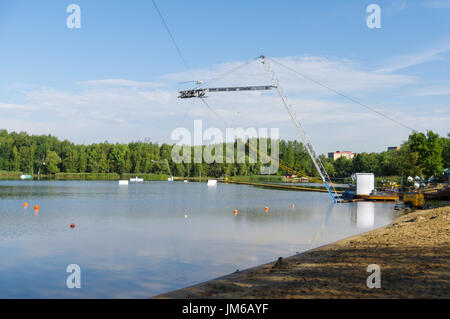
x,y
148,238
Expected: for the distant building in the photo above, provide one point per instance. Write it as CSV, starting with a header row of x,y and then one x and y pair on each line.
x,y
393,148
335,155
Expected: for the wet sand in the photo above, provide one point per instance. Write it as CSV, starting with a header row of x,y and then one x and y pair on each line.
x,y
413,254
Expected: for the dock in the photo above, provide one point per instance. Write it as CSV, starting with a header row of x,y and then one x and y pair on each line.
x,y
278,186
357,198
378,198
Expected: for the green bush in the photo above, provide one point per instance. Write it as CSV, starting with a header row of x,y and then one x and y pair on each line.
x,y
10,175
87,176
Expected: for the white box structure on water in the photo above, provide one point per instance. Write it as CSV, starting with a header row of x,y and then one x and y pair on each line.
x,y
212,182
122,182
365,183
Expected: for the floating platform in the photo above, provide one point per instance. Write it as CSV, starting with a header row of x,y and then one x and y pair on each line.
x,y
288,187
378,198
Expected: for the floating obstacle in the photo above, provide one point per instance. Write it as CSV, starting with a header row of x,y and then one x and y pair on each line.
x,y
212,182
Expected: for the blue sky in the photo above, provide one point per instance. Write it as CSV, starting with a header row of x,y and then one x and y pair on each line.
x,y
116,78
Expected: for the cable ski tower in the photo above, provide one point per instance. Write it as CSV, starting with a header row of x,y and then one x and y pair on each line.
x,y
200,92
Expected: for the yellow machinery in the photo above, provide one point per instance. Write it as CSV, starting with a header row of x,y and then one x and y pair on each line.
x,y
414,199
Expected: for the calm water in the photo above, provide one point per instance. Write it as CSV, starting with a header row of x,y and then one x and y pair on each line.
x,y
134,241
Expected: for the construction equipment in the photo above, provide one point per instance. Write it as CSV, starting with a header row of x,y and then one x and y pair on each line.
x,y
414,199
201,92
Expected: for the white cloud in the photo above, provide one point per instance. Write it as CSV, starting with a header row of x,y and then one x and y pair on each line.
x,y
408,60
342,75
10,106
430,91
438,4
124,110
395,7
121,83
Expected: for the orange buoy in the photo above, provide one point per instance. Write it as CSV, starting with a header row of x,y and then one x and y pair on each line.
x,y
235,211
185,216
36,207
25,205
266,209
72,225
292,206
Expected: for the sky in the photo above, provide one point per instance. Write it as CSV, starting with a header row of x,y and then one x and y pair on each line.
x,y
116,78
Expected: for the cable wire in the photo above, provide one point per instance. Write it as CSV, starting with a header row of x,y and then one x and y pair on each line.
x,y
230,71
343,95
171,36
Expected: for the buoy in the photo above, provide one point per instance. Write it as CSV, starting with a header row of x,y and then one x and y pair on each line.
x,y
235,211
36,207
266,209
72,225
25,205
185,216
292,206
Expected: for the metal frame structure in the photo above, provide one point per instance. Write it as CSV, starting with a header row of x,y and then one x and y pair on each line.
x,y
201,93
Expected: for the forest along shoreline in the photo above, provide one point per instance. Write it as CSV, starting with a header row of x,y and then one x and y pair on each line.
x,y
413,254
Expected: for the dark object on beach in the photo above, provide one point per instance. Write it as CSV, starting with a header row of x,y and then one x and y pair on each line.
x,y
281,264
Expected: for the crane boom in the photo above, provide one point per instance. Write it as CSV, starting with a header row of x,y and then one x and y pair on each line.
x,y
201,92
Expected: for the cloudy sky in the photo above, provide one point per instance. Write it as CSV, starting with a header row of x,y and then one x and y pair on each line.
x,y
116,78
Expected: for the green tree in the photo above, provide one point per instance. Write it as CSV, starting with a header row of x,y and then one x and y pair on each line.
x,y
429,149
446,151
71,160
52,162
15,161
118,158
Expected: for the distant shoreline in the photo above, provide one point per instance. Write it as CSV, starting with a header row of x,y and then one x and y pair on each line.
x,y
413,254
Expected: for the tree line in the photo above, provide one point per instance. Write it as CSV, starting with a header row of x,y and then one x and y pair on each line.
x,y
422,154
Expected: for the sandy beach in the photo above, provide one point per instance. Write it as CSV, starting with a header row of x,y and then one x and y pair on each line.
x,y
413,254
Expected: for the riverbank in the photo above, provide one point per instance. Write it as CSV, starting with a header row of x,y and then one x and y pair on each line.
x,y
5,175
413,253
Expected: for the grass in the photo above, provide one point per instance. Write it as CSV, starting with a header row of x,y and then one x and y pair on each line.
x,y
5,175
87,176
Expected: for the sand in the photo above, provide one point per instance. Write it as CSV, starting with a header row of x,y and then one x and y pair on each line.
x,y
413,254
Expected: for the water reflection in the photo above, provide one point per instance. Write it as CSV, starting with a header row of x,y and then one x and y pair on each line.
x,y
135,241
363,214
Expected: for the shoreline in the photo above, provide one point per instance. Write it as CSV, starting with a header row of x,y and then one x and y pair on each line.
x,y
413,253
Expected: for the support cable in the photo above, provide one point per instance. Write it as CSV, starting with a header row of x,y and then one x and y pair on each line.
x,y
298,125
343,95
172,37
250,145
